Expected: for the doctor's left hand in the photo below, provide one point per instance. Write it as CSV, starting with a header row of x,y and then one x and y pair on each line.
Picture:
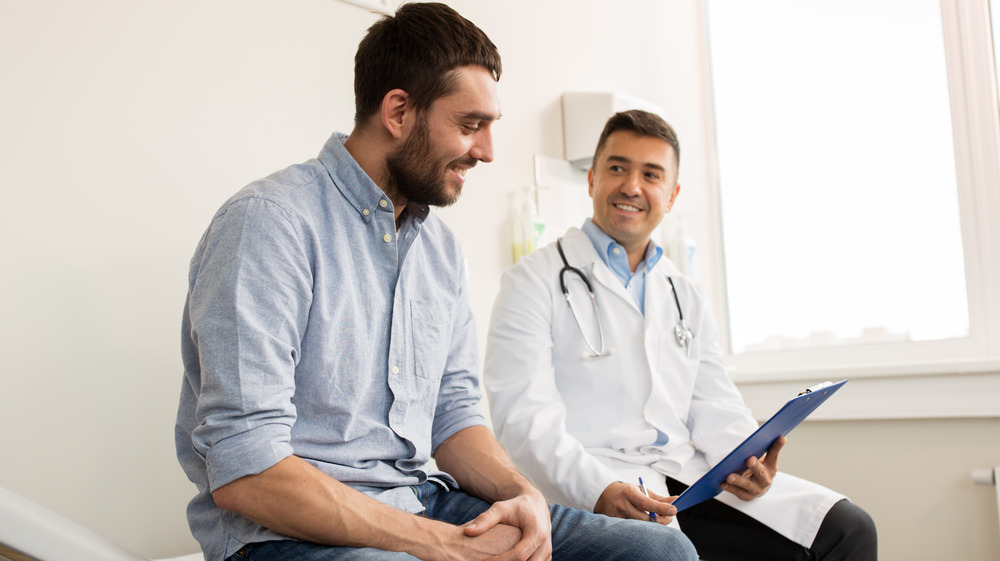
x,y
756,480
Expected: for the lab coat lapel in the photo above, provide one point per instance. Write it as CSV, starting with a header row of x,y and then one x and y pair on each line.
x,y
603,275
580,250
659,297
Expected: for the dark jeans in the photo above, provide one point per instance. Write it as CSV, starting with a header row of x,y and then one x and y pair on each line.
x,y
576,536
722,533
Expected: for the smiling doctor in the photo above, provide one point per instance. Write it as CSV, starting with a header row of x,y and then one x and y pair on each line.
x,y
603,366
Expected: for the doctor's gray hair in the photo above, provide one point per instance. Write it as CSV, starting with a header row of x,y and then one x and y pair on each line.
x,y
642,123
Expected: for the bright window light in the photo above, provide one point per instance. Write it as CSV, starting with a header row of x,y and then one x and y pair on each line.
x,y
839,198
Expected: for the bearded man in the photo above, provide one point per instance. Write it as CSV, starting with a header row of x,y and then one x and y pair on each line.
x,y
330,351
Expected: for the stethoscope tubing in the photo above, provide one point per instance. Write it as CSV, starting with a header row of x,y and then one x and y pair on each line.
x,y
681,331
593,301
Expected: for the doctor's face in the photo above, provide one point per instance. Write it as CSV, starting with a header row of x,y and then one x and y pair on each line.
x,y
633,183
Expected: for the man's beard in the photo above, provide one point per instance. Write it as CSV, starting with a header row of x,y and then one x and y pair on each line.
x,y
413,171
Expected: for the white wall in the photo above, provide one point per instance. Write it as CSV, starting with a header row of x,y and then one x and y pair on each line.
x,y
125,123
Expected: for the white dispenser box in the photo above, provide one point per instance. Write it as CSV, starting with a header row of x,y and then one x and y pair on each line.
x,y
584,117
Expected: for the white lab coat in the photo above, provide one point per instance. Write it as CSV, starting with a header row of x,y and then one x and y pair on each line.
x,y
574,425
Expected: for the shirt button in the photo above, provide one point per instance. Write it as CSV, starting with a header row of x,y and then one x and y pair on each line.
x,y
616,251
395,370
387,238
366,212
383,203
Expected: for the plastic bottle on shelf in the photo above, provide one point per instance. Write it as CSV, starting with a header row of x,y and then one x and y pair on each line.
x,y
528,227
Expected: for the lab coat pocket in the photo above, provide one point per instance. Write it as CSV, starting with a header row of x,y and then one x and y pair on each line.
x,y
430,339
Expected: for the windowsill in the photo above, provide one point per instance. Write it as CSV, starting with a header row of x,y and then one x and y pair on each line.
x,y
928,389
909,369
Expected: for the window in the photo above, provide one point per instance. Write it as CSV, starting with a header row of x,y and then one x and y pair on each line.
x,y
858,174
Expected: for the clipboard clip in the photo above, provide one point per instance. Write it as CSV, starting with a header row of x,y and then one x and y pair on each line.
x,y
817,387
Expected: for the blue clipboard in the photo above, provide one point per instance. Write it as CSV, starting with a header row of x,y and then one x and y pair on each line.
x,y
780,424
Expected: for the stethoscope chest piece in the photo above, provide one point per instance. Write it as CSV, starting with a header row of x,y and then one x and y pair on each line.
x,y
684,336
681,330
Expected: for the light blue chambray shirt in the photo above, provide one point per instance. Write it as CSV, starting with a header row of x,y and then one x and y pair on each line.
x,y
312,327
613,255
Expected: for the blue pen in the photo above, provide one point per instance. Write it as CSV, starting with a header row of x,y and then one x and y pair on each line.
x,y
652,515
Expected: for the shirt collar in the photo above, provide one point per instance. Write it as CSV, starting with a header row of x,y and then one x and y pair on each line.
x,y
364,195
605,246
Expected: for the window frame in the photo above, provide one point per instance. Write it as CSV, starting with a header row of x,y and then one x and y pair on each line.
x,y
931,369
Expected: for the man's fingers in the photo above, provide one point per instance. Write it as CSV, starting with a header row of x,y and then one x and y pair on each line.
x,y
482,523
740,492
771,458
757,478
531,547
658,506
746,483
534,544
531,518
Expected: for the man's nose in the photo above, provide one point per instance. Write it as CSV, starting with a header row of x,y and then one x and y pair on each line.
x,y
631,184
482,150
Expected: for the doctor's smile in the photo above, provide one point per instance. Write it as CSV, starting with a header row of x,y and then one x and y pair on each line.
x,y
627,207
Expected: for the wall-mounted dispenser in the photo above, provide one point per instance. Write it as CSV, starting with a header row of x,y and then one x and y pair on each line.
x,y
584,116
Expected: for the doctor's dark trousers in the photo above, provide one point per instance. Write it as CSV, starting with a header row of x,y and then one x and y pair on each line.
x,y
722,533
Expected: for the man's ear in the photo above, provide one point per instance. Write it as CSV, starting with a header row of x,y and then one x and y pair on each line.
x,y
590,182
673,197
395,105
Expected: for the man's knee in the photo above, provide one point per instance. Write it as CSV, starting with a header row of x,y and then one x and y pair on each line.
x,y
847,532
581,535
661,542
855,522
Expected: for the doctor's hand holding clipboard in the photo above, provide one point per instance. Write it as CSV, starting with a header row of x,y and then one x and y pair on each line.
x,y
747,472
766,442
624,500
757,478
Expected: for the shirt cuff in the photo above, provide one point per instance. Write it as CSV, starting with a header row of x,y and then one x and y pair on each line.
x,y
450,428
247,453
593,493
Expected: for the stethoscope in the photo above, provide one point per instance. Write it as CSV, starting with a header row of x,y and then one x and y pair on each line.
x,y
681,330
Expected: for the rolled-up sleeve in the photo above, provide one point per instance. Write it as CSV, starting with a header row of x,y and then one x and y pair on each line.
x,y
248,309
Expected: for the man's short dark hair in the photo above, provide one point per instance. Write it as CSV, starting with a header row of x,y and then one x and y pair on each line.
x,y
642,123
417,50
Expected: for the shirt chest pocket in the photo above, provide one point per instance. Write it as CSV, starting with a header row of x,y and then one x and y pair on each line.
x,y
431,329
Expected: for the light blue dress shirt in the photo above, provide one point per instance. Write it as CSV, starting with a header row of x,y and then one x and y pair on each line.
x,y
613,255
312,327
